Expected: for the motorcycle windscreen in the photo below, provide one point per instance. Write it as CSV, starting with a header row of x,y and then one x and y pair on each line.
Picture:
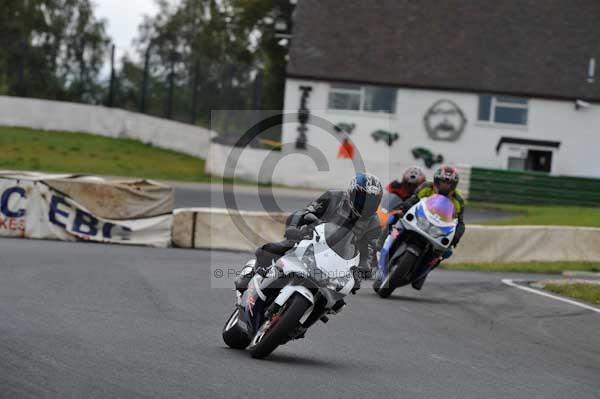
x,y
335,253
440,208
340,240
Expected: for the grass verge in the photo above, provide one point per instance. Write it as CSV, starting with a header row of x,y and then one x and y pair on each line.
x,y
543,215
34,150
584,292
525,267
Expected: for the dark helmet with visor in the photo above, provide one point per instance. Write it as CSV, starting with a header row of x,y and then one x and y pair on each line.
x,y
364,193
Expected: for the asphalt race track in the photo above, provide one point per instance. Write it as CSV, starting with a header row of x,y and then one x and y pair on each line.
x,y
80,320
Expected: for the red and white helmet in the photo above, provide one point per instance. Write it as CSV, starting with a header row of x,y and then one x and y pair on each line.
x,y
445,179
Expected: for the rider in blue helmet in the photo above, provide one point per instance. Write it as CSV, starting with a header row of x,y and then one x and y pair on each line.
x,y
354,208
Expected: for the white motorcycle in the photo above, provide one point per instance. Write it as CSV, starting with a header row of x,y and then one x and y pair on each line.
x,y
426,230
305,285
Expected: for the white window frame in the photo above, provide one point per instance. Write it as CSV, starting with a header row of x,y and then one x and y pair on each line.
x,y
361,108
334,90
521,150
494,103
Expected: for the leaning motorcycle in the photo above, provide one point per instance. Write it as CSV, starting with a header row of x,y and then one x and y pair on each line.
x,y
426,230
304,286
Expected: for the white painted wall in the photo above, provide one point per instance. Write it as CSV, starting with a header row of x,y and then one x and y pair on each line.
x,y
577,130
297,169
110,122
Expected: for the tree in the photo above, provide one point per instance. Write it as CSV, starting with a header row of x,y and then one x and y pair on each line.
x,y
261,18
51,49
205,55
195,48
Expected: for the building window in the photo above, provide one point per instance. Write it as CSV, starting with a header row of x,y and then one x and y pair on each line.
x,y
379,99
362,98
503,109
516,163
345,97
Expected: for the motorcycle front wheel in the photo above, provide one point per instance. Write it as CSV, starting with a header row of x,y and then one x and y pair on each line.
x,y
279,327
397,274
233,335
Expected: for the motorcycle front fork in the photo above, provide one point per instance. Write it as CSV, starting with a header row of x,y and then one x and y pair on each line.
x,y
385,252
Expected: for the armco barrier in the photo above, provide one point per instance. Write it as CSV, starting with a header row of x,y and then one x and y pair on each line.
x,y
214,229
110,122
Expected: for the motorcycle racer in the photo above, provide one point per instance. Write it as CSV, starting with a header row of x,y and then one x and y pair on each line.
x,y
353,208
445,182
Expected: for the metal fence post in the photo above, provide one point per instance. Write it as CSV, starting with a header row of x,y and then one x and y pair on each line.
x,y
195,92
145,80
111,87
169,112
258,87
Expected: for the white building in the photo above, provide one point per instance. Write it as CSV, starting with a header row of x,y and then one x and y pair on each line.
x,y
478,83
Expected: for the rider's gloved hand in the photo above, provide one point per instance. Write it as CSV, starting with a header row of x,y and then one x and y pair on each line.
x,y
297,233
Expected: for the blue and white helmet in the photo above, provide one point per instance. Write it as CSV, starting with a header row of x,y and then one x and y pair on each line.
x,y
364,193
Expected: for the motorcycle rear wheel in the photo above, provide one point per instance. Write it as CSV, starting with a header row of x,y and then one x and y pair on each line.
x,y
398,273
266,340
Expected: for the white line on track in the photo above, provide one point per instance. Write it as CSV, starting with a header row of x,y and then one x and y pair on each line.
x,y
511,283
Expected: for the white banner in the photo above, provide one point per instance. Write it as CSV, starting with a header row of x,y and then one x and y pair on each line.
x,y
32,209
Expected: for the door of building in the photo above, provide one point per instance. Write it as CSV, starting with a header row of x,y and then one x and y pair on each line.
x,y
539,161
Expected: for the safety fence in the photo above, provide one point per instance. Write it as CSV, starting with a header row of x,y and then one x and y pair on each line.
x,y
506,186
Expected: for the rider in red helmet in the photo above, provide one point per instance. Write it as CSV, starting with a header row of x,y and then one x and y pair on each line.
x,y
403,188
412,178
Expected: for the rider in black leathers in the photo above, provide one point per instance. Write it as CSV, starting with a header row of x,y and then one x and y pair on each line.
x,y
353,208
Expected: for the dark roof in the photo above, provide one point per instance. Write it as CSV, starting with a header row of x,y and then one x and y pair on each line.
x,y
538,48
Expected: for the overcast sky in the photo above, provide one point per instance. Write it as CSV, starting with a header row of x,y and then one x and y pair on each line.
x,y
123,18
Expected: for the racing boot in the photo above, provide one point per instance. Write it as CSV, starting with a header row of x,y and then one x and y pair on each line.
x,y
418,283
